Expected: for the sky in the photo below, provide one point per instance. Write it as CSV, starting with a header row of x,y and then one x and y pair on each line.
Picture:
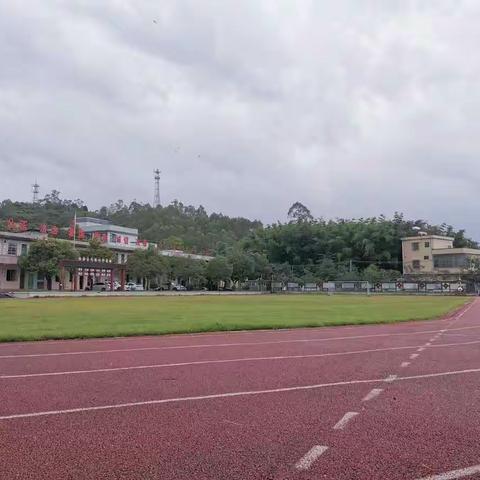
x,y
354,108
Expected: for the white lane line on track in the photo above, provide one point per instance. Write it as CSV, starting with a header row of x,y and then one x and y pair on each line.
x,y
428,344
342,423
307,460
375,392
247,359
413,356
390,378
404,364
215,345
203,362
186,399
454,474
231,394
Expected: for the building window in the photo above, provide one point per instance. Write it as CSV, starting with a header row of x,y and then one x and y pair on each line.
x,y
416,264
426,257
12,249
450,261
11,275
24,249
427,244
415,246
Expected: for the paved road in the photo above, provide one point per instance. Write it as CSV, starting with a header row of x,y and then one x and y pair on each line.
x,y
366,402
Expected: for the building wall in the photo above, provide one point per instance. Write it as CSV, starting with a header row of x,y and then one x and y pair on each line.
x,y
417,252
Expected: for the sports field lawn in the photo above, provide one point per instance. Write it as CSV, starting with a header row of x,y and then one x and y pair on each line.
x,y
121,316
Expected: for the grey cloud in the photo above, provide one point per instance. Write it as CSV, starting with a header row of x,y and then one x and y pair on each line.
x,y
354,108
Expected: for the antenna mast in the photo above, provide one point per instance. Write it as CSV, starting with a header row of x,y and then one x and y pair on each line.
x,y
35,191
156,197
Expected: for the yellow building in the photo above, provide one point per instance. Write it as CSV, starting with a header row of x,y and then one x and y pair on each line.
x,y
435,255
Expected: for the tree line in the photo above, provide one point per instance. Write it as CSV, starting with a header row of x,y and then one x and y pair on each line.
x,y
302,249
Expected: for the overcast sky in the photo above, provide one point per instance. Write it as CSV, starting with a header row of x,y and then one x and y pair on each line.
x,y
354,108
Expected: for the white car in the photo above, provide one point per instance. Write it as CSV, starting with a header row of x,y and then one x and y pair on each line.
x,y
134,287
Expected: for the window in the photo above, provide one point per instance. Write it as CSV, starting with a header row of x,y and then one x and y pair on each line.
x,y
450,261
11,275
415,246
427,244
12,249
426,257
416,264
24,249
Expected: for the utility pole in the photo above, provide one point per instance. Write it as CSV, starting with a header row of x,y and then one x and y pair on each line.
x,y
156,197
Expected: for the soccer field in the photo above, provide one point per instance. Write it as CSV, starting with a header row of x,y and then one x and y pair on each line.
x,y
55,318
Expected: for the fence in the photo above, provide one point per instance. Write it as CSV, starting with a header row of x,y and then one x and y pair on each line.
x,y
361,286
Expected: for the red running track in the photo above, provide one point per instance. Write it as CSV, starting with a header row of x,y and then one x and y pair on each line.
x,y
367,402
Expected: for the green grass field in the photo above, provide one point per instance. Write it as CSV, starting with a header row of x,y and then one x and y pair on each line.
x,y
37,319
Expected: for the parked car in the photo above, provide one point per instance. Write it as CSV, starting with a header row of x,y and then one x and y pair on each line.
x,y
116,285
171,286
99,287
134,287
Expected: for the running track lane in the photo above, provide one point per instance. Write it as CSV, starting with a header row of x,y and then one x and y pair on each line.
x,y
261,436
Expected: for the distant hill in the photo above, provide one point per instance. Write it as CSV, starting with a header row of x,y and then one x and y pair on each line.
x,y
174,226
352,244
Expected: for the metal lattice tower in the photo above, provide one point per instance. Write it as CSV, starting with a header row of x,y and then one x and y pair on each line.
x,y
35,191
156,197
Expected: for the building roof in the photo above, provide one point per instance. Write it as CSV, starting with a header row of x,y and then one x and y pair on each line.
x,y
110,228
28,235
456,251
423,237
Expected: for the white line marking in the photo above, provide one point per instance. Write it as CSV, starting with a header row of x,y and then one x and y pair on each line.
x,y
186,399
200,362
428,344
233,394
372,394
440,374
341,424
306,461
413,356
421,349
404,364
455,344
452,475
390,378
213,345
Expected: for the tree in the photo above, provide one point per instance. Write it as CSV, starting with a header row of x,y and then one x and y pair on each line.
x,y
299,213
95,249
243,266
189,271
218,270
44,257
373,274
146,264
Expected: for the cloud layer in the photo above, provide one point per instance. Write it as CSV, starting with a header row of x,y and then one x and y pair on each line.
x,y
353,108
